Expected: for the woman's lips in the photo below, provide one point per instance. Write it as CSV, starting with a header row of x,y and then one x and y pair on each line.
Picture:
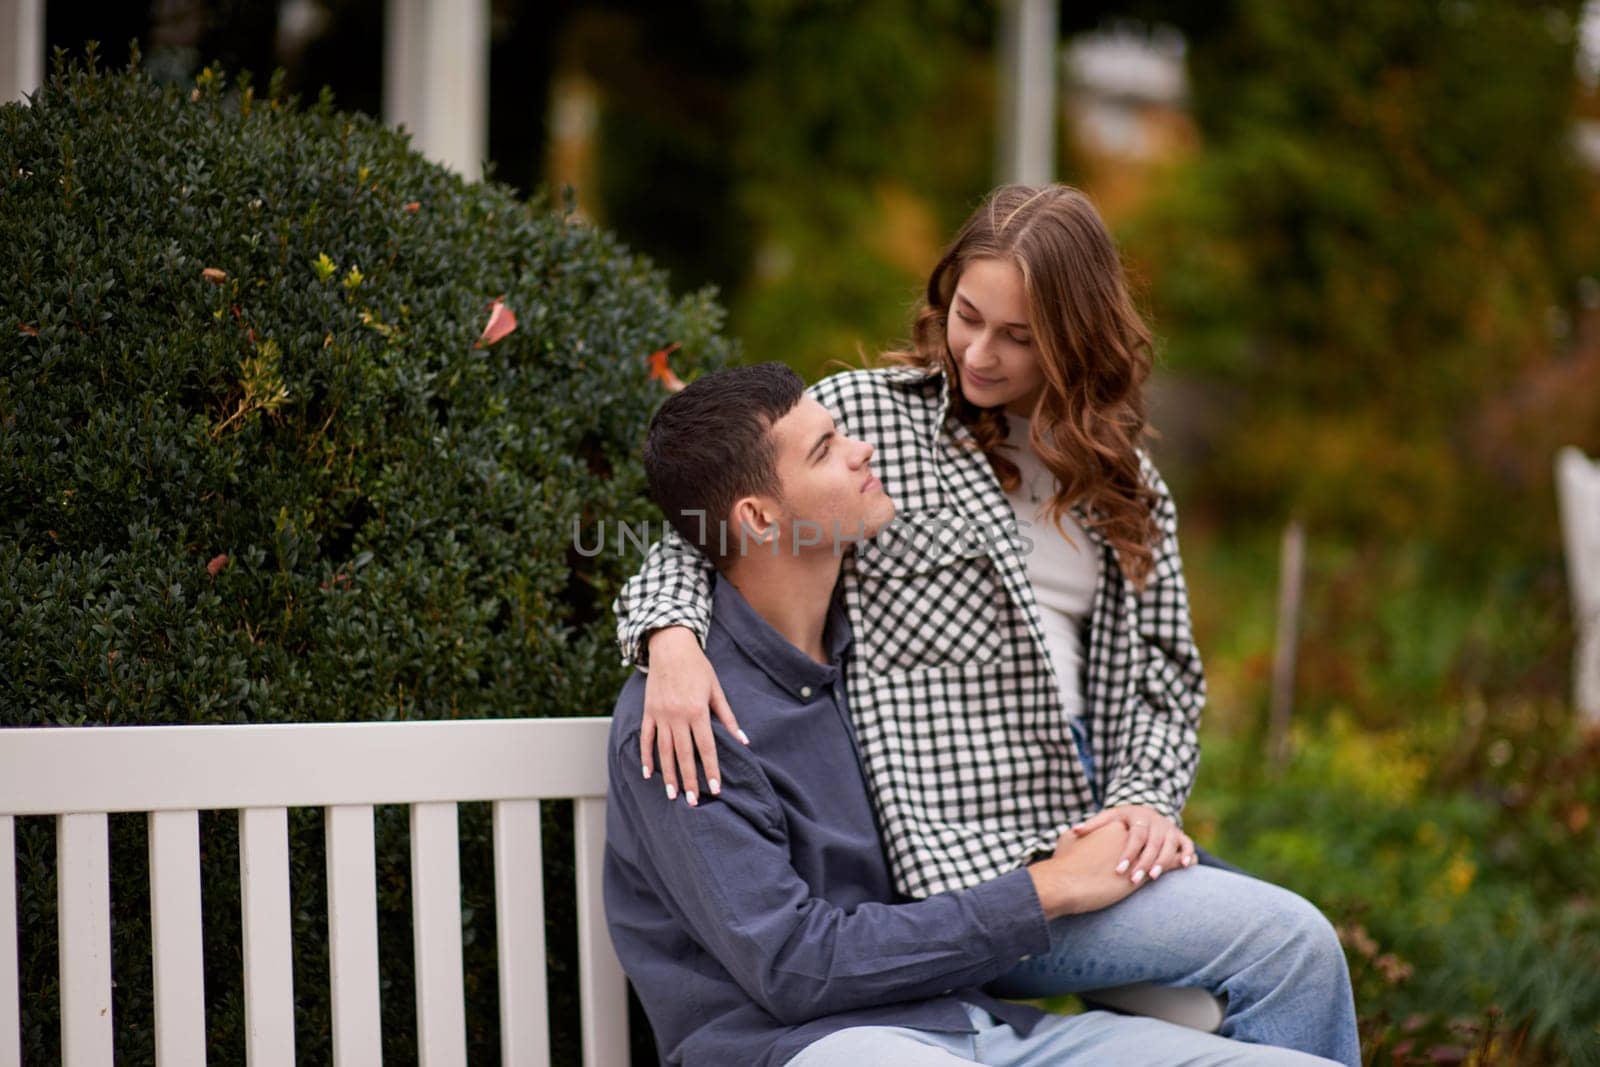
x,y
980,380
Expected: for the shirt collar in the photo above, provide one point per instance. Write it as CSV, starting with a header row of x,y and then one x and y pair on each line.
x,y
796,672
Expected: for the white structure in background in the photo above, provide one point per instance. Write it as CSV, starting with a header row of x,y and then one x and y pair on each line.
x,y
1578,492
1028,33
1118,78
435,69
1586,131
436,78
21,48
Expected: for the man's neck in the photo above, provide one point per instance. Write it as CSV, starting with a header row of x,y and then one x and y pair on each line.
x,y
791,592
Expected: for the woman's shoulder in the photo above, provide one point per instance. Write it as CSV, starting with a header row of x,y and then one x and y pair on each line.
x,y
897,386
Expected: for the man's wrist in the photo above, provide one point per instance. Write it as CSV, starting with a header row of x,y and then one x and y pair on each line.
x,y
1054,888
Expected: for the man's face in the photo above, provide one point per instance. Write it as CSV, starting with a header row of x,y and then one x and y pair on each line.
x,y
829,494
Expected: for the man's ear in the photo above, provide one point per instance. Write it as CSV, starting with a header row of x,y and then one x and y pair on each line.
x,y
755,520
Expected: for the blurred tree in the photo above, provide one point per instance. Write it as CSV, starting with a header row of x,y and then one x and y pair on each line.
x,y
1369,248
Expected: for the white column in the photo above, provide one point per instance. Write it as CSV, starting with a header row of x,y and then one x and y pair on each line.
x,y
21,48
1028,63
436,78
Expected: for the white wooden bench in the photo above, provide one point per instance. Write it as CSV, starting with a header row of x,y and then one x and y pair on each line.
x,y
79,775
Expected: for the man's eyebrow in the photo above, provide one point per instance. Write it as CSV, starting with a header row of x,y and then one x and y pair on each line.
x,y
974,307
820,442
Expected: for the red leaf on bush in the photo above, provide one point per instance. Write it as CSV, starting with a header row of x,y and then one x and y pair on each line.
x,y
214,275
218,562
661,371
414,207
31,331
501,323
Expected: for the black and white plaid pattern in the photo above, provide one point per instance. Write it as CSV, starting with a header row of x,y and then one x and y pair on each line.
x,y
957,711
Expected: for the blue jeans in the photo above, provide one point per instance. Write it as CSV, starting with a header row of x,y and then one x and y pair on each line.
x,y
1095,1037
1269,952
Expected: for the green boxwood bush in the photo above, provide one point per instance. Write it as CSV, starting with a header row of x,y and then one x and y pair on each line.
x,y
255,467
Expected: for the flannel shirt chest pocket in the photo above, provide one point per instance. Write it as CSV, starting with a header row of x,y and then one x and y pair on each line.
x,y
931,596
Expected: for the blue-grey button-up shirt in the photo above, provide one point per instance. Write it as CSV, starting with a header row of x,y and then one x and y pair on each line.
x,y
765,918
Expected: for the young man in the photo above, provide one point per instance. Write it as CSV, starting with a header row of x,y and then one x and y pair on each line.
x,y
758,923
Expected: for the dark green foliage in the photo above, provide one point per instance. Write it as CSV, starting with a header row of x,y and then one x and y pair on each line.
x,y
396,505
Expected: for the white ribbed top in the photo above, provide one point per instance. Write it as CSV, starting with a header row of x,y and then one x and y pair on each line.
x,y
1063,569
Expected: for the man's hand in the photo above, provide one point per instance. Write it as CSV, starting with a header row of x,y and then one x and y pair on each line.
x,y
1155,844
680,693
1077,877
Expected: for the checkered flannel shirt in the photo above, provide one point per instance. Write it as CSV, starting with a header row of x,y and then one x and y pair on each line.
x,y
958,715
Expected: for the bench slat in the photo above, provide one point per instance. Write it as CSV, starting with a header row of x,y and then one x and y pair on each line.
x,y
353,935
519,925
436,922
10,987
602,989
268,962
83,891
177,956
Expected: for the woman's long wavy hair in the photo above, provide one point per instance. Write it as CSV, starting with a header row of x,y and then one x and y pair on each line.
x,y
1094,349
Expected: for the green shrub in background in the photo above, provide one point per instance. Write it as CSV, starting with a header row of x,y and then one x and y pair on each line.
x,y
254,467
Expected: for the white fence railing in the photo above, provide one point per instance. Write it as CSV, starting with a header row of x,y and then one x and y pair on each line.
x,y
171,773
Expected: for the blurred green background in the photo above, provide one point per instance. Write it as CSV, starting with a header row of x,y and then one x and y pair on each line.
x,y
1368,238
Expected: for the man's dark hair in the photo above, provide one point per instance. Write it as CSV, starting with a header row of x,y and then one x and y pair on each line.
x,y
709,445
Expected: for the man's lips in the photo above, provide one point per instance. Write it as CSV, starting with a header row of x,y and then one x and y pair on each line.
x,y
871,484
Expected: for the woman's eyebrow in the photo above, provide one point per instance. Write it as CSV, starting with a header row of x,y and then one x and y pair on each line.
x,y
974,308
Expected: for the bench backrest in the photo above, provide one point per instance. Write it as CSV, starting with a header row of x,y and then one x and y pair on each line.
x,y
171,773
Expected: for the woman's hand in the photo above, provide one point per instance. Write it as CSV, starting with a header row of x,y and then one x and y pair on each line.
x,y
1155,843
679,689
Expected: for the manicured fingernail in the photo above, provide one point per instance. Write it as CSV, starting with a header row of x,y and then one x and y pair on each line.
x,y
646,771
1122,866
1138,876
1155,872
692,800
744,737
716,786
672,791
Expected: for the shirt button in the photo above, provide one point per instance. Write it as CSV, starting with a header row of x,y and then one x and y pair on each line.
x,y
805,691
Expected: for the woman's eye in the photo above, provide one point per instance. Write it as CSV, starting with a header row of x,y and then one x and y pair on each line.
x,y
1019,340
964,317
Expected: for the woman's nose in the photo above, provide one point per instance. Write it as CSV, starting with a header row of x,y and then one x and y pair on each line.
x,y
978,350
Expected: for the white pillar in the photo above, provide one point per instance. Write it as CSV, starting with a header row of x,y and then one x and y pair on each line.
x,y
1028,64
21,48
1578,497
436,78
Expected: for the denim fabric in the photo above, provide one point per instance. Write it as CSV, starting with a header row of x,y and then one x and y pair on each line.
x,y
1270,953
1095,1037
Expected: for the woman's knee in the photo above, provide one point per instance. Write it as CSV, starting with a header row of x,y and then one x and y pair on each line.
x,y
1301,924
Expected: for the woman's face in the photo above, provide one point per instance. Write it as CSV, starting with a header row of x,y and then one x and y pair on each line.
x,y
991,338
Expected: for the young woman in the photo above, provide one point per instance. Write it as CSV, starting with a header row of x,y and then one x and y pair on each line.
x,y
1023,664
